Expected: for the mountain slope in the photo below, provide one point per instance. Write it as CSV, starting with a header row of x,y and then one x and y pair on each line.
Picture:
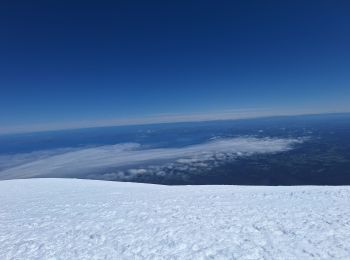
x,y
82,219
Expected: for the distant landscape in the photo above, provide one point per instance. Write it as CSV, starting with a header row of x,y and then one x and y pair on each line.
x,y
293,150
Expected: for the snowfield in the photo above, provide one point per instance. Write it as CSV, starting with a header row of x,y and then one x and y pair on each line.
x,y
83,219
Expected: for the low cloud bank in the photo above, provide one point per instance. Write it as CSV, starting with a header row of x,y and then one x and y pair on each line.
x,y
131,156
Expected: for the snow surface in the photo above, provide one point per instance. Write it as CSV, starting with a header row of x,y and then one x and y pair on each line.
x,y
84,219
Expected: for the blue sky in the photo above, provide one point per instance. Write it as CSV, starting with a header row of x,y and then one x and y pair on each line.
x,y
83,63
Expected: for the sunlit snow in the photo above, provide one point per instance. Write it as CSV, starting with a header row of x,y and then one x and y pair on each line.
x,y
84,219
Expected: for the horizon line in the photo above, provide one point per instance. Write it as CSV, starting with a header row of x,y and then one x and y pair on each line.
x,y
161,119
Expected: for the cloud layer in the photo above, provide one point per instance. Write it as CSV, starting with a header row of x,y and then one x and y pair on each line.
x,y
134,159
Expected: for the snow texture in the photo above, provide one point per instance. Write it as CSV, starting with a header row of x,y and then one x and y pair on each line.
x,y
84,219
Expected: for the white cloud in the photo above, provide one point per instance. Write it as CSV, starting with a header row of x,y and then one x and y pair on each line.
x,y
90,160
12,160
137,171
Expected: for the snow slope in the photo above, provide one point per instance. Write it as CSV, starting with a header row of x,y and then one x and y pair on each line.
x,y
82,219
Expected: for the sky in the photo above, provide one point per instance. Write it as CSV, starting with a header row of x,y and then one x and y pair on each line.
x,y
69,64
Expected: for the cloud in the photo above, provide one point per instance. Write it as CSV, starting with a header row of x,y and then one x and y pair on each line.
x,y
12,160
75,163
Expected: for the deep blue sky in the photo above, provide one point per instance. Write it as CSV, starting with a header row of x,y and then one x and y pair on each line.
x,y
72,61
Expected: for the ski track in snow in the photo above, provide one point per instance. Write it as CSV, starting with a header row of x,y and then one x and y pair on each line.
x,y
83,219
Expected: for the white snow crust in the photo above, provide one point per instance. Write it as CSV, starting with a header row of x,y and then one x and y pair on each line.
x,y
83,219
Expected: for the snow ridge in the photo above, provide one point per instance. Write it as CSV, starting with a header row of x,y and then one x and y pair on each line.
x,y
83,219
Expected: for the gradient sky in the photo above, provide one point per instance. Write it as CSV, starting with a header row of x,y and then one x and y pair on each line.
x,y
65,62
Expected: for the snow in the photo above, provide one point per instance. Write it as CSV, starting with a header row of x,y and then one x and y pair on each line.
x,y
84,219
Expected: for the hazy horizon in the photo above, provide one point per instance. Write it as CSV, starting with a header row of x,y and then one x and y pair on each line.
x,y
163,119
